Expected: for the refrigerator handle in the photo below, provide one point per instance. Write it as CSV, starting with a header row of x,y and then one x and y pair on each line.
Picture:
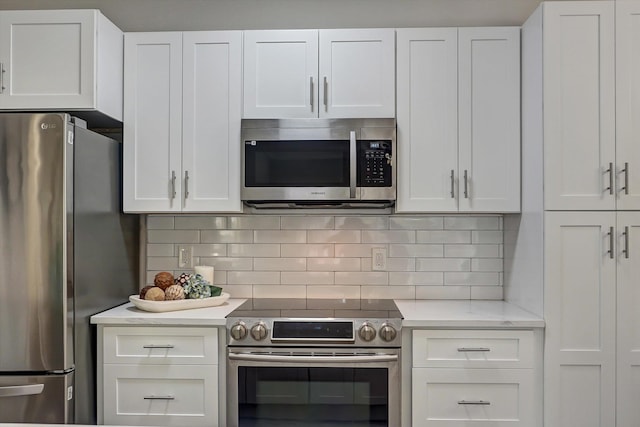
x,y
21,390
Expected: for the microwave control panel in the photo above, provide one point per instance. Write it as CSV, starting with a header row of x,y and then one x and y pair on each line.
x,y
374,163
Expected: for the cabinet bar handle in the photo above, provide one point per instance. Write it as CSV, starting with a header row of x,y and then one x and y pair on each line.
x,y
626,178
473,402
2,88
463,349
466,185
326,94
158,346
453,194
611,242
311,92
169,397
186,184
610,171
626,242
173,185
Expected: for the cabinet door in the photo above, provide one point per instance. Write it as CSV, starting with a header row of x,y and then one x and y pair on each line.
x,y
357,73
280,74
628,355
579,312
211,121
427,119
48,59
489,119
152,122
579,105
628,104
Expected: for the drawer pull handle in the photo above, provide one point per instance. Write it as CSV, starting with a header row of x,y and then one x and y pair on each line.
x,y
159,397
462,349
158,346
473,402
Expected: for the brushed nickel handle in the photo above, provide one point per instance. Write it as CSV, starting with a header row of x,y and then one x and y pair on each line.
x,y
474,402
465,349
353,166
453,194
626,242
311,92
611,242
326,94
158,346
152,397
466,184
626,178
2,88
610,172
173,184
21,390
186,184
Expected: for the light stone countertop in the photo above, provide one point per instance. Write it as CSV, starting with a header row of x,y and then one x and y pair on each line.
x,y
466,314
416,313
128,314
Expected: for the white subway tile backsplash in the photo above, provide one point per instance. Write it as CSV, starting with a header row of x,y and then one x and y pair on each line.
x,y
417,223
334,236
280,264
390,236
184,222
325,256
226,236
306,222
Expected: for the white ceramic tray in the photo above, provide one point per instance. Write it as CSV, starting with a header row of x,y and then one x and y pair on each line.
x,y
183,304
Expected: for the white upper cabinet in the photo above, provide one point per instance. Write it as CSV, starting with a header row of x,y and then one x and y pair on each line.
x,y
458,119
182,122
60,60
579,106
325,73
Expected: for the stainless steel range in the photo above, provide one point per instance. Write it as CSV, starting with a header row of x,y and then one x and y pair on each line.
x,y
314,363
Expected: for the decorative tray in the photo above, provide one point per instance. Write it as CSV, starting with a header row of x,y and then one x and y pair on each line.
x,y
183,304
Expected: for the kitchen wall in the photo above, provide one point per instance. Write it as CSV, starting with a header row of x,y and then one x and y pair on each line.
x,y
317,256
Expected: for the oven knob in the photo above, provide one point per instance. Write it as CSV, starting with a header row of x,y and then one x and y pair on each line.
x,y
367,332
238,331
259,331
387,332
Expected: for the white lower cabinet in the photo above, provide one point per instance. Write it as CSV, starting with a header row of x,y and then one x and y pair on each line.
x,y
464,378
158,376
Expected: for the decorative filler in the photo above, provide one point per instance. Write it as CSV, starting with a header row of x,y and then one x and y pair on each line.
x,y
154,294
163,280
174,292
197,287
182,279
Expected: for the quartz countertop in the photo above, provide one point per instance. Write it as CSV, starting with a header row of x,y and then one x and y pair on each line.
x,y
466,314
128,314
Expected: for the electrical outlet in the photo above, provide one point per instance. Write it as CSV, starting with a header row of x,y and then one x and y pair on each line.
x,y
185,256
379,259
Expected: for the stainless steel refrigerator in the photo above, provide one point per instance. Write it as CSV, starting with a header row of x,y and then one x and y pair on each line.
x,y
66,253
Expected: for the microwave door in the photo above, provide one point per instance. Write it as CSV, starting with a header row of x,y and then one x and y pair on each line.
x,y
299,169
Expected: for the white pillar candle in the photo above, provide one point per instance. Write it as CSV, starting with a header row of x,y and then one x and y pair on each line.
x,y
205,271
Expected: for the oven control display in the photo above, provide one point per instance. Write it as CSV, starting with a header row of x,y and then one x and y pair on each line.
x,y
312,331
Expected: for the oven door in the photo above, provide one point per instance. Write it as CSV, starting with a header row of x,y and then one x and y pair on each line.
x,y
313,387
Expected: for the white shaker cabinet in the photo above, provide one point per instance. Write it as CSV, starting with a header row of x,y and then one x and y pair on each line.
x,y
182,122
319,73
60,60
458,119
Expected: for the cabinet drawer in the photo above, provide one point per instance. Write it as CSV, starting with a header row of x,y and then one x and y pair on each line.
x,y
473,349
464,397
161,395
161,345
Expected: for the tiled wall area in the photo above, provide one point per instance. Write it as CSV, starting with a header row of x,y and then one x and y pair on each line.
x,y
261,256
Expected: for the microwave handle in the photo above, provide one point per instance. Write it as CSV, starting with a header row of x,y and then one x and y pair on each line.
x,y
353,165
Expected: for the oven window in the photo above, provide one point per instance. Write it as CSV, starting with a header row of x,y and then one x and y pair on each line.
x,y
312,397
297,163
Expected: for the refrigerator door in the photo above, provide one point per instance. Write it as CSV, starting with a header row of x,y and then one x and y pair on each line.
x,y
36,306
36,399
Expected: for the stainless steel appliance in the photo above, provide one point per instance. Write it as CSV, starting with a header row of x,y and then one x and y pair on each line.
x,y
294,362
318,163
66,253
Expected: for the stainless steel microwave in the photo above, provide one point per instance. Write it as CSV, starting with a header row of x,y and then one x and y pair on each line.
x,y
329,163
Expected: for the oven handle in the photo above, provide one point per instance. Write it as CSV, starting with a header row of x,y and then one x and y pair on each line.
x,y
353,165
335,359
